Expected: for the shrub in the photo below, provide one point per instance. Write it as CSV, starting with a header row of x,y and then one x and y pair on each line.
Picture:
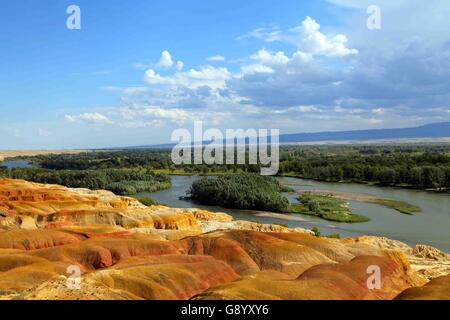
x,y
147,201
316,231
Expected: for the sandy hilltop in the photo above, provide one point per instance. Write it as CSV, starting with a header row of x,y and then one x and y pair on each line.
x,y
126,250
5,154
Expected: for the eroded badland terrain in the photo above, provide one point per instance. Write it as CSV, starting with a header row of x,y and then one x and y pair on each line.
x,y
126,250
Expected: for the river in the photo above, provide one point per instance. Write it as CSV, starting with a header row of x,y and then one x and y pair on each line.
x,y
15,163
430,226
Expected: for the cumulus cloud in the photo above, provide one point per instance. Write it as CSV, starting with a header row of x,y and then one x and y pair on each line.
x,y
311,41
147,115
256,68
264,56
266,79
93,118
325,80
172,114
316,43
180,65
194,78
166,60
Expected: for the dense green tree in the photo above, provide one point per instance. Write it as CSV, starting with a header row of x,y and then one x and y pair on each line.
x,y
240,191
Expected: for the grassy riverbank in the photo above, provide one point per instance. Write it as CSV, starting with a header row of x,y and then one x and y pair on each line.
x,y
400,206
326,207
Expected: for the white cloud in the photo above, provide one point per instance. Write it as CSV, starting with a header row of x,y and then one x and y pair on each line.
x,y
138,123
265,34
212,77
145,115
141,116
216,58
316,43
154,78
306,109
93,118
265,56
266,79
256,68
180,65
176,115
292,88
378,111
310,42
166,60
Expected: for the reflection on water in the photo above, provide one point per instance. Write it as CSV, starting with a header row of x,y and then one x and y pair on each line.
x,y
431,226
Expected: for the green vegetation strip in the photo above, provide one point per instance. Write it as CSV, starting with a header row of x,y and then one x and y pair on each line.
x,y
326,207
119,181
400,206
147,201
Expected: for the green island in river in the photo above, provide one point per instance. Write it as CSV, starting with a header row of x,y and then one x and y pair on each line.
x,y
326,207
251,191
400,206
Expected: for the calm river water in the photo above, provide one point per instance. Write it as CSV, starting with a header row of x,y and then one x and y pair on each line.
x,y
11,164
431,226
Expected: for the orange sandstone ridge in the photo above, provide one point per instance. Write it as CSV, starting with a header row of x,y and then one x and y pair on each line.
x,y
126,250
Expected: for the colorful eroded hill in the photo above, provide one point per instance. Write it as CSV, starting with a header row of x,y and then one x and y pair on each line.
x,y
126,250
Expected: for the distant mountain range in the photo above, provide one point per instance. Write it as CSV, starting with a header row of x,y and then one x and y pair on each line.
x,y
432,130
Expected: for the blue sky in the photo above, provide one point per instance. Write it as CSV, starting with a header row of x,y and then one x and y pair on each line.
x,y
138,70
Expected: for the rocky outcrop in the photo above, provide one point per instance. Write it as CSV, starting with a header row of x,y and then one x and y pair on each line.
x,y
427,261
125,250
26,205
436,289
